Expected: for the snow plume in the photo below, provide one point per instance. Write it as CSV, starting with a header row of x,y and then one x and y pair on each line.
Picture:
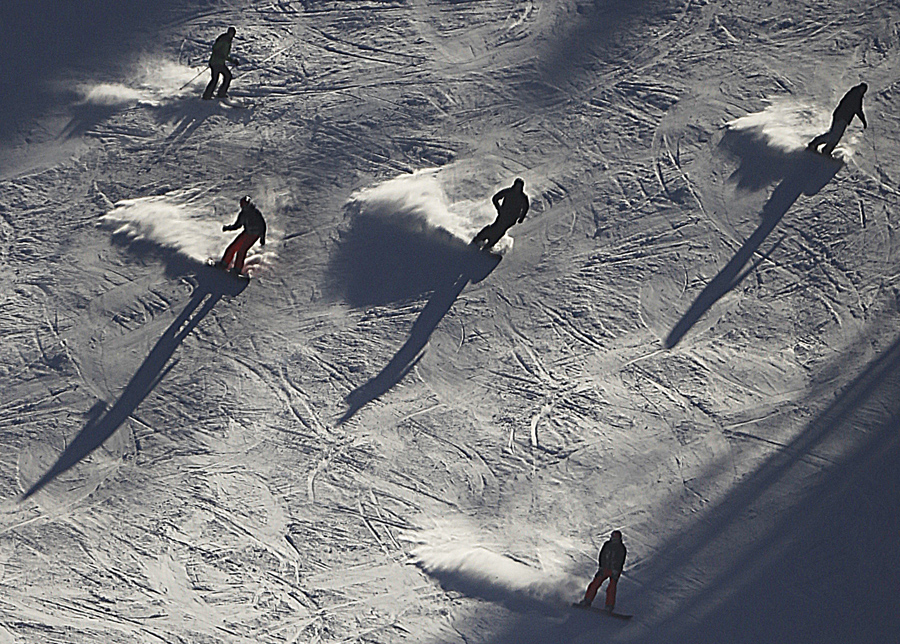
x,y
478,571
784,125
154,80
184,222
403,240
771,142
416,202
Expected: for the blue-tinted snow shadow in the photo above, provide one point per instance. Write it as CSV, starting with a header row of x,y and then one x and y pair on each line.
x,y
798,172
391,259
804,549
809,540
211,285
46,42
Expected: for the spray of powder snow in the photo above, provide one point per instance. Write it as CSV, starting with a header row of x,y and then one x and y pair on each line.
x,y
154,80
418,204
183,222
478,571
788,126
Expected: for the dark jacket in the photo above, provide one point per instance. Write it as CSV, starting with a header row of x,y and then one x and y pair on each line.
x,y
612,556
221,50
851,105
511,204
252,220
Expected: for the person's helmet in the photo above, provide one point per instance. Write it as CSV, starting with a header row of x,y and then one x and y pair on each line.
x,y
863,87
244,201
519,182
232,31
616,535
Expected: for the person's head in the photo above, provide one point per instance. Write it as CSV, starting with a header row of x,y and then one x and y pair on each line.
x,y
245,201
616,535
862,88
519,184
231,31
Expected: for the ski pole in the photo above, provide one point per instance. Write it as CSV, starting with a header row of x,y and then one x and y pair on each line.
x,y
192,80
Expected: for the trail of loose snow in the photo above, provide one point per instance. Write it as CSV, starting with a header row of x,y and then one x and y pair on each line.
x,y
392,438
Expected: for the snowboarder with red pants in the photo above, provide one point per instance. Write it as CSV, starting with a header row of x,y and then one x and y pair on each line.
x,y
251,219
612,560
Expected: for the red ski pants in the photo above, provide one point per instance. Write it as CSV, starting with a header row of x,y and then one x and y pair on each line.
x,y
602,575
237,250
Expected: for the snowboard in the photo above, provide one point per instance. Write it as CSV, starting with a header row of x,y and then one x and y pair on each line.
x,y
602,611
238,276
822,155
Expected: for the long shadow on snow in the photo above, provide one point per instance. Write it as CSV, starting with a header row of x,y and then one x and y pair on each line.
x,y
800,171
824,567
46,40
804,548
383,260
211,286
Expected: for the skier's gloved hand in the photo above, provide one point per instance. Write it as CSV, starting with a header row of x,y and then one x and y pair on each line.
x,y
224,228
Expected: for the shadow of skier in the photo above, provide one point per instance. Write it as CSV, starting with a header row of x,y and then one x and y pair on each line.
x,y
804,173
211,286
474,267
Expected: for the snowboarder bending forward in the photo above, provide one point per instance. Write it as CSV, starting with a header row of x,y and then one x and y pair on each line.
x,y
512,206
850,106
254,229
221,53
612,560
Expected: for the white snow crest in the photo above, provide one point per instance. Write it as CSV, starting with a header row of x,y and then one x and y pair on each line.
x,y
418,204
789,125
183,221
477,571
414,201
154,80
172,221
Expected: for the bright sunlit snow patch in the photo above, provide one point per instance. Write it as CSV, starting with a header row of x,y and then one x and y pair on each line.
x,y
417,203
182,221
110,94
154,81
478,571
788,126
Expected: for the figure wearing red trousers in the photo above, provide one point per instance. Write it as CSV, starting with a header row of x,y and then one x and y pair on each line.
x,y
251,219
612,560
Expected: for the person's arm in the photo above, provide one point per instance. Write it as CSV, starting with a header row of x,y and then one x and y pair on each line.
x,y
497,197
524,211
862,117
237,223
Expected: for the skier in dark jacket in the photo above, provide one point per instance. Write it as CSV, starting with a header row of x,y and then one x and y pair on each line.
x,y
512,206
251,219
850,106
221,53
612,560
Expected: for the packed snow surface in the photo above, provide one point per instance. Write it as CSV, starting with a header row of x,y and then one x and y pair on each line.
x,y
388,436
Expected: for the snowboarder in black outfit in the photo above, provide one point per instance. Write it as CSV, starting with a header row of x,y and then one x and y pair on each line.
x,y
612,560
251,219
512,206
221,53
850,106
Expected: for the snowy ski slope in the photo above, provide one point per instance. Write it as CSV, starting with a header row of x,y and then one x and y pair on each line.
x,y
694,337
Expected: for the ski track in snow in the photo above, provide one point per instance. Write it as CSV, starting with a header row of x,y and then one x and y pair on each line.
x,y
386,436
